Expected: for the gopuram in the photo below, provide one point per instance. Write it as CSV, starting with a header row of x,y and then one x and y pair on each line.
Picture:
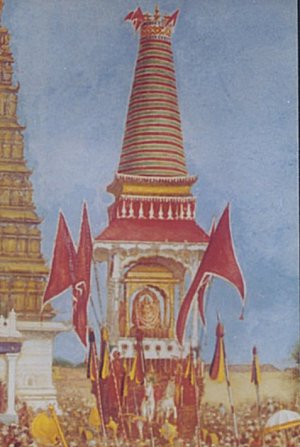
x,y
23,271
152,244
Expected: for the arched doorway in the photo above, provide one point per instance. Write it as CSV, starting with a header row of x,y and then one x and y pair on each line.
x,y
148,300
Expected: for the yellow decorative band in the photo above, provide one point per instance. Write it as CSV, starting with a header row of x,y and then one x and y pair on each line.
x,y
156,190
155,30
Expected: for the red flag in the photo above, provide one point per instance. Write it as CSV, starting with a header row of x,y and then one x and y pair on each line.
x,y
217,367
218,260
81,285
62,272
201,296
136,17
205,284
172,19
129,15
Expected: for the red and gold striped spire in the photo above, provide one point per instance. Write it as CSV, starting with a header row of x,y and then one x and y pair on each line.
x,y
152,186
153,144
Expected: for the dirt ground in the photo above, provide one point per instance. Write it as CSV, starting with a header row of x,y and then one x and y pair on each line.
x,y
278,385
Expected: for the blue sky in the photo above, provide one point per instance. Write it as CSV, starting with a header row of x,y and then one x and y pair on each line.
x,y
237,83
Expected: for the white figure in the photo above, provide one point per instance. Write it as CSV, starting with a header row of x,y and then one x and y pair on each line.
x,y
166,406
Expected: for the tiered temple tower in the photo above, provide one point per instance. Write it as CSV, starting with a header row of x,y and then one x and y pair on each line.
x,y
23,270
152,242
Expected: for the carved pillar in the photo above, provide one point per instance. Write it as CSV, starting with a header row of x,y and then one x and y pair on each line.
x,y
172,311
114,277
11,383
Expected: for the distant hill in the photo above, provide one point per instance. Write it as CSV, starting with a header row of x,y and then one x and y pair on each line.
x,y
241,368
66,364
247,368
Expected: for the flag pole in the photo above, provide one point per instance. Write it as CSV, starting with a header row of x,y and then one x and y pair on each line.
x,y
98,289
258,405
203,331
259,412
255,378
119,401
198,401
60,432
230,397
98,396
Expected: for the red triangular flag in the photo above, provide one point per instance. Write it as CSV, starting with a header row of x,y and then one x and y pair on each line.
x,y
201,296
136,17
172,19
218,260
205,283
62,271
81,287
129,15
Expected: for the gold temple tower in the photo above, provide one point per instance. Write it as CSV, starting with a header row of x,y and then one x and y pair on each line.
x,y
22,267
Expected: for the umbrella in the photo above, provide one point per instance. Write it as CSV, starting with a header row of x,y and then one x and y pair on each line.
x,y
282,420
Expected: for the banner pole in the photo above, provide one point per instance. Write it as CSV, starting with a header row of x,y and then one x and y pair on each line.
x,y
230,397
98,397
60,432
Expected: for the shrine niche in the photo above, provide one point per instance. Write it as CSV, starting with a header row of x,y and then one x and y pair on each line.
x,y
146,313
148,301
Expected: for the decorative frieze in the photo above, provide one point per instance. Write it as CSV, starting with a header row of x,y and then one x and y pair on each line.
x,y
147,207
139,179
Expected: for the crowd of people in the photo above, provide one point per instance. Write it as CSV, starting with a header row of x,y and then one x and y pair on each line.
x,y
216,428
3,396
218,420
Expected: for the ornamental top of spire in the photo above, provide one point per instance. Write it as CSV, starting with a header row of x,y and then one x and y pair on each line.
x,y
154,25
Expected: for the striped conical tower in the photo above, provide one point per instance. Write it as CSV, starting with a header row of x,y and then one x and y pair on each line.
x,y
153,144
152,242
152,186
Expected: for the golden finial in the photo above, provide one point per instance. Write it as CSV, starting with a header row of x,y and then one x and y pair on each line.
x,y
156,13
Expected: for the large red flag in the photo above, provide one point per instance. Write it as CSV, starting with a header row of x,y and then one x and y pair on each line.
x,y
201,302
81,285
218,260
62,272
205,284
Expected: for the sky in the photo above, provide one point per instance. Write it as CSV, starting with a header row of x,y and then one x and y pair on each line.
x,y
236,68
